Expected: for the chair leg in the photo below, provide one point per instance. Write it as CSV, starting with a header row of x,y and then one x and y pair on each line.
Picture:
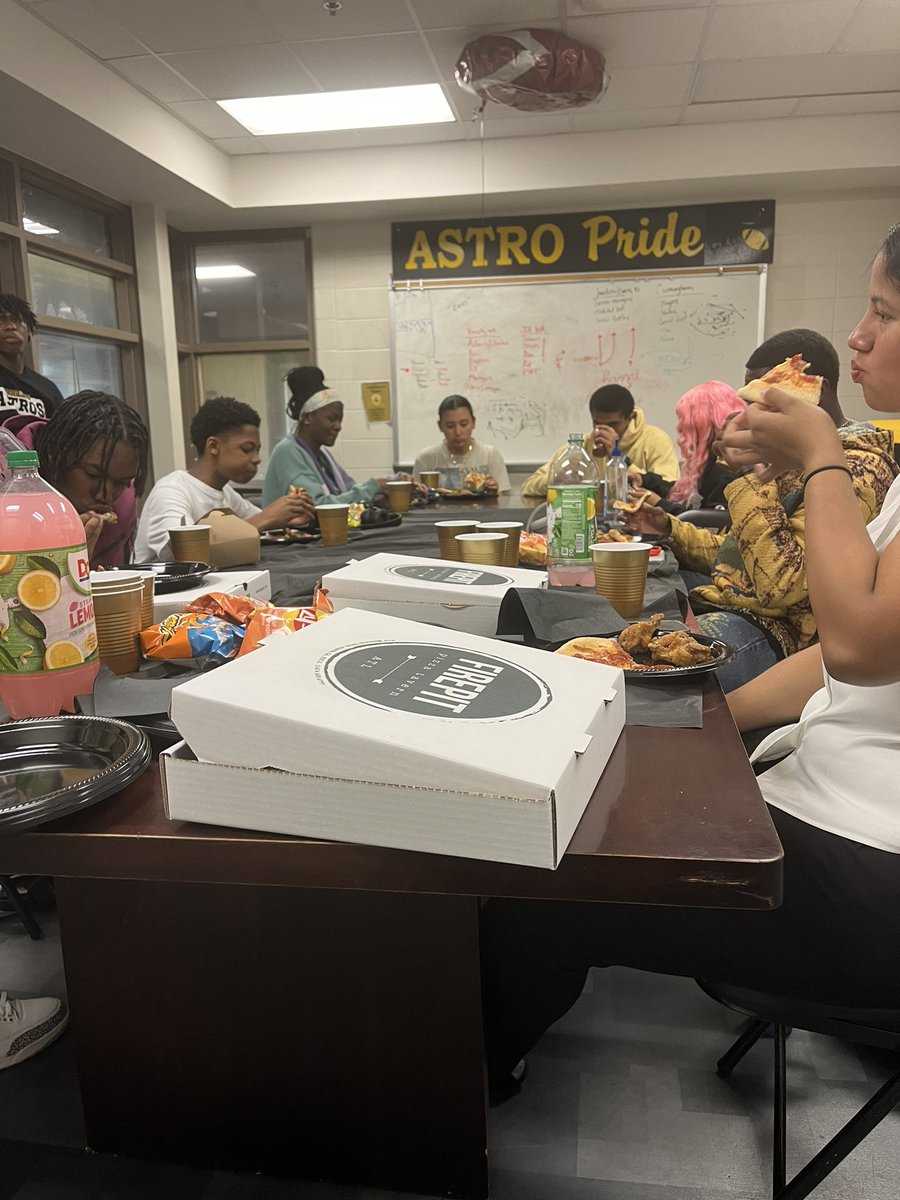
x,y
779,1114
748,1038
11,892
843,1142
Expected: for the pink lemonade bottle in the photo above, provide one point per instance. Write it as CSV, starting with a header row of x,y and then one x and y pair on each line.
x,y
48,640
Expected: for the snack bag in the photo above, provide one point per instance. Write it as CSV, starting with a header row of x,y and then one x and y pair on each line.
x,y
276,622
192,635
532,548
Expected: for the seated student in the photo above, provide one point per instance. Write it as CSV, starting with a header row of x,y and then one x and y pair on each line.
x,y
757,598
833,798
94,450
225,434
459,452
615,415
302,459
700,417
21,389
27,1026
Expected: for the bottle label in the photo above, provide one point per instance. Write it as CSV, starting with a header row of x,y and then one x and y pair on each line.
x,y
571,526
46,610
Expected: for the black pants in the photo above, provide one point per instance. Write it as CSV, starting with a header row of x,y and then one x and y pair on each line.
x,y
836,938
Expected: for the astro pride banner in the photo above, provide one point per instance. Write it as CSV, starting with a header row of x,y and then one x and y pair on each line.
x,y
635,239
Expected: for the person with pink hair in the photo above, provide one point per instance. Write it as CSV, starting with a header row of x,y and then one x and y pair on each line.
x,y
701,416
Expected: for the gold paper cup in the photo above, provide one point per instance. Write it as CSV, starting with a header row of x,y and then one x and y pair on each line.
x,y
399,494
147,594
447,531
112,581
125,662
430,479
620,574
190,543
332,520
512,530
482,548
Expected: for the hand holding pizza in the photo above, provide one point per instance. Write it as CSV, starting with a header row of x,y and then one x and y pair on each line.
x,y
650,520
784,432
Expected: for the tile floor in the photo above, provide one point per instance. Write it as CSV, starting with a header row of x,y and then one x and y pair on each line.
x,y
622,1103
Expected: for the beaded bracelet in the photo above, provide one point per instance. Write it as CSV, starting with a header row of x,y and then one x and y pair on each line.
x,y
830,467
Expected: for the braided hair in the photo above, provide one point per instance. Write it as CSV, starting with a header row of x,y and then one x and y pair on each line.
x,y
17,308
303,383
79,424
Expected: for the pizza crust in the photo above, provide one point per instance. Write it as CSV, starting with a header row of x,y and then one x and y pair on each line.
x,y
631,506
788,377
598,649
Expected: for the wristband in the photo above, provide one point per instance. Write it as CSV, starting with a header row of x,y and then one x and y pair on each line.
x,y
830,467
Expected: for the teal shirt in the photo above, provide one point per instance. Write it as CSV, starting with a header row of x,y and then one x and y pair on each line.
x,y
290,464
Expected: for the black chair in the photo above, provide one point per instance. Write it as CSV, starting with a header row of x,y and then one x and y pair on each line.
x,y
872,1027
709,518
19,902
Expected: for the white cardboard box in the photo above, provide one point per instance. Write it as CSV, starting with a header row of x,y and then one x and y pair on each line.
x,y
250,581
367,728
456,595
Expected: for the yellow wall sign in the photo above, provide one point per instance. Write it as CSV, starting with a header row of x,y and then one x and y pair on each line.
x,y
376,398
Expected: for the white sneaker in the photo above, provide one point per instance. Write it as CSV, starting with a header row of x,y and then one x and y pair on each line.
x,y
27,1026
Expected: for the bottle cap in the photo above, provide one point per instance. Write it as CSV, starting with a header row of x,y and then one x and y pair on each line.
x,y
23,458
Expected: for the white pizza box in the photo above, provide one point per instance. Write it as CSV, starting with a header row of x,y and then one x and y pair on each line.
x,y
463,596
367,728
250,582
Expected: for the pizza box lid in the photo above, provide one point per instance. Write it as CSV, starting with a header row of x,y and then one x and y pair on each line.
x,y
392,576
374,698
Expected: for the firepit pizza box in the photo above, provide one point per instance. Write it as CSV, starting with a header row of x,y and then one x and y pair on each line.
x,y
463,596
367,728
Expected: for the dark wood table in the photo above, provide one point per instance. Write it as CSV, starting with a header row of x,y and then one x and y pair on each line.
x,y
259,1002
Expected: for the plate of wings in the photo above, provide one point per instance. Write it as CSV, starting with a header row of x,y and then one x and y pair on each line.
x,y
644,650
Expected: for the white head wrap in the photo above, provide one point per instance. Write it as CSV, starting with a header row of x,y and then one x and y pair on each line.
x,y
319,400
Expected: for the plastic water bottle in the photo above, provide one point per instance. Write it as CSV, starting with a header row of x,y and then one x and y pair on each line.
x,y
571,516
616,484
48,640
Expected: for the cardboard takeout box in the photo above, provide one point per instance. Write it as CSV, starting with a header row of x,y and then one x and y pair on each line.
x,y
462,596
367,728
233,542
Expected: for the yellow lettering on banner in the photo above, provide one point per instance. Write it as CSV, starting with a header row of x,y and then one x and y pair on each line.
x,y
451,253
512,239
625,243
691,241
477,234
537,249
421,249
601,229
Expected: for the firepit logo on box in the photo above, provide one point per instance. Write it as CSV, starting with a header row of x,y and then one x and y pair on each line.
x,y
430,680
460,576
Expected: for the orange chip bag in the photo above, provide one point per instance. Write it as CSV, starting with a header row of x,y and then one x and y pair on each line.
x,y
192,635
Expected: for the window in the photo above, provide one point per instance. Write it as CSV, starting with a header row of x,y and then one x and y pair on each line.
x,y
57,219
252,291
59,289
258,380
76,363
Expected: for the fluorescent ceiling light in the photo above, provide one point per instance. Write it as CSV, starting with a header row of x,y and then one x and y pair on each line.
x,y
37,227
229,271
368,108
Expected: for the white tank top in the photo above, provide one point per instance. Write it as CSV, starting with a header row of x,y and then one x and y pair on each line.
x,y
844,774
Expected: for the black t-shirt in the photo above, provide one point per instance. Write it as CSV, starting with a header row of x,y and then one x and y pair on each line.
x,y
29,393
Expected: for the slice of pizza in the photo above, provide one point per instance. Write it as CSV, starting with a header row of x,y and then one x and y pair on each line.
x,y
631,506
598,649
789,377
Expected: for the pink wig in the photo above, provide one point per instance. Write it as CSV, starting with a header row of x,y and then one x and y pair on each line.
x,y
700,413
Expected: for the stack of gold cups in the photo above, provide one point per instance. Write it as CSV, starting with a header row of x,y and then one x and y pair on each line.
x,y
430,479
620,574
511,530
447,531
117,610
486,548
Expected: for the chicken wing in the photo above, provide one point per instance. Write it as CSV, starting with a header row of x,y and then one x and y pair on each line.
x,y
640,635
679,650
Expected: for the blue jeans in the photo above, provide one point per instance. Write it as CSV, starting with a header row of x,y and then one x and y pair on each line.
x,y
754,650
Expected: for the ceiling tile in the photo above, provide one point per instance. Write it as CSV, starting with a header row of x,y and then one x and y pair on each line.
x,y
538,124
383,61
826,106
579,8
211,120
874,26
81,21
643,38
648,87
738,110
190,24
153,76
290,143
227,73
809,75
240,145
412,135
776,29
305,20
513,14
602,119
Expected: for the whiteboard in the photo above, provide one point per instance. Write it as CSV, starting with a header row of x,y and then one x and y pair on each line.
x,y
529,355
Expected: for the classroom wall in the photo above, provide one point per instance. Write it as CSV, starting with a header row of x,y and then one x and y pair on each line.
x,y
819,279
